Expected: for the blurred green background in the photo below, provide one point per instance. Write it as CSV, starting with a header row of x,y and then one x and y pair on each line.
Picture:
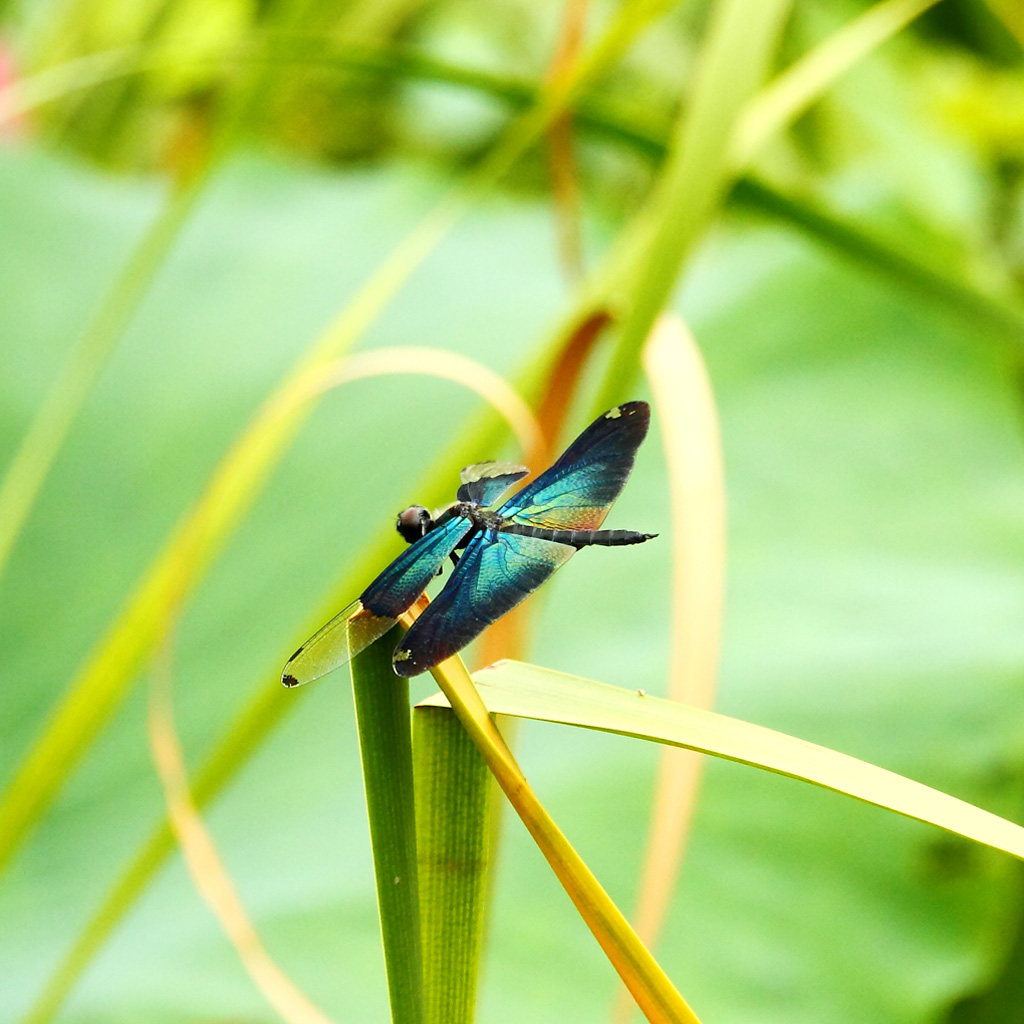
x,y
872,425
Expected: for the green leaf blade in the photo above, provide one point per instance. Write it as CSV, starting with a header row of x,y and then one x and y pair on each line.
x,y
385,747
452,799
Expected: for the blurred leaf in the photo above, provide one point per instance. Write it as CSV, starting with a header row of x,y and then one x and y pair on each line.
x,y
205,865
685,409
24,475
1003,320
48,430
999,1001
855,240
1011,16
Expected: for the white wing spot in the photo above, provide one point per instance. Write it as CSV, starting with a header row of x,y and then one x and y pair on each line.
x,y
613,414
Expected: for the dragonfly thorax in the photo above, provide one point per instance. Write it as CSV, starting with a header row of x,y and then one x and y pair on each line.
x,y
481,518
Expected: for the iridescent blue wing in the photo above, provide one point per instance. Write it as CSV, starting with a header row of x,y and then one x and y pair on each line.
x,y
485,482
395,589
335,644
495,573
579,489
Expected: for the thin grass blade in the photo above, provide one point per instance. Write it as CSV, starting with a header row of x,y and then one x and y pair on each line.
x,y
1004,319
688,421
784,99
39,448
35,455
242,739
838,233
204,863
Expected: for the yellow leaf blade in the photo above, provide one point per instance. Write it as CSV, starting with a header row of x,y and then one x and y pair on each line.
x,y
530,691
655,994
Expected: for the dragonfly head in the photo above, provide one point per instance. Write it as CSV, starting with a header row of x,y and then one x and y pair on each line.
x,y
414,523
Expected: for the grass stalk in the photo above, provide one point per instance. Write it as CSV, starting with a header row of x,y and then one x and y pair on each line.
x,y
46,434
734,59
452,827
850,241
241,740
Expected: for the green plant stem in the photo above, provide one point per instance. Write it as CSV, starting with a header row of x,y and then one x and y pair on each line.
x,y
734,59
787,96
385,746
855,243
452,825
656,996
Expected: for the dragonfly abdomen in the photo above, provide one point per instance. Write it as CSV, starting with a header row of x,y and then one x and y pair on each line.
x,y
579,538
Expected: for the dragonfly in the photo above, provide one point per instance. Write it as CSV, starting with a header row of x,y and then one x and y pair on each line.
x,y
506,552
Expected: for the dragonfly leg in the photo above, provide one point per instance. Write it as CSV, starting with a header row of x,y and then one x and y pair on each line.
x,y
455,561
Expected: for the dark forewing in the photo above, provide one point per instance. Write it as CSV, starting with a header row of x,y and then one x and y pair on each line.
x,y
485,482
495,573
577,491
395,589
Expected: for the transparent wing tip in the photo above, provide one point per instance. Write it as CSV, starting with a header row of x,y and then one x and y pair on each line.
x,y
333,645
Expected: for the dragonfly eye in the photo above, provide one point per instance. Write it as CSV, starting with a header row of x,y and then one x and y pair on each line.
x,y
414,523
